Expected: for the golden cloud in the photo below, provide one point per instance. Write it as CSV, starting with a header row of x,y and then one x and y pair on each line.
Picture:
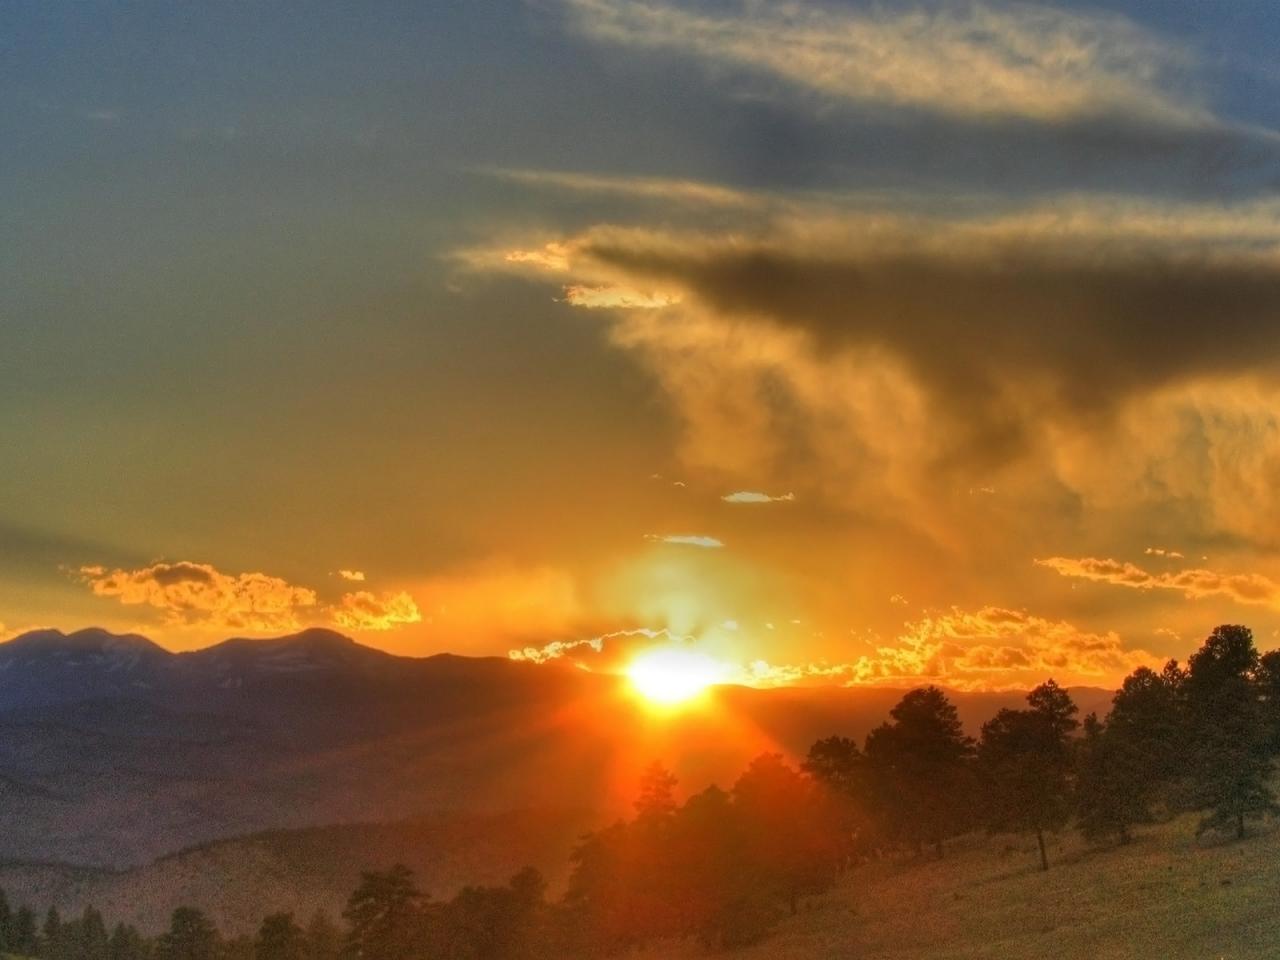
x,y
197,594
991,648
614,297
366,611
1248,588
972,60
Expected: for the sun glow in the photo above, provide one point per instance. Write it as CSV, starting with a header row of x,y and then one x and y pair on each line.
x,y
672,675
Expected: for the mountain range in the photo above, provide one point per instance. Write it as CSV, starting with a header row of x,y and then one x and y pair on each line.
x,y
118,756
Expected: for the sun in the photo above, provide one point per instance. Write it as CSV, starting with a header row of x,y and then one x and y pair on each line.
x,y
673,675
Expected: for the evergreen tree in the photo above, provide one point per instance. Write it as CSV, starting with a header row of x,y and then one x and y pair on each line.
x,y
126,944
1112,790
7,938
279,938
190,937
921,760
26,939
1231,757
91,936
52,946
843,771
324,939
384,915
788,847
1025,760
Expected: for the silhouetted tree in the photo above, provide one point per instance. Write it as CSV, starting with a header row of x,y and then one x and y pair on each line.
x,y
279,938
1231,757
324,939
921,760
1267,679
1025,759
788,848
384,915
26,939
1148,721
190,937
52,946
842,770
1113,791
126,944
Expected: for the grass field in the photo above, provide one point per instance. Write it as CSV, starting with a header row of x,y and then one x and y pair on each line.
x,y
1164,897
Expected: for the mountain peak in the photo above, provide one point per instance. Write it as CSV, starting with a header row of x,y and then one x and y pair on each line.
x,y
87,640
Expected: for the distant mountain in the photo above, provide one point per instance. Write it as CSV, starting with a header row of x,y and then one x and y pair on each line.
x,y
114,752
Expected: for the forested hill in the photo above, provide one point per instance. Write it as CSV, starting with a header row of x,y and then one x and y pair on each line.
x,y
114,752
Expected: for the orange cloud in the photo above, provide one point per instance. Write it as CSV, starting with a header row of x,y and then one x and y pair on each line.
x,y
1250,588
366,611
197,594
613,297
357,575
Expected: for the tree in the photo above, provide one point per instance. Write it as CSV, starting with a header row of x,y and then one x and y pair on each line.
x,y
843,771
1267,679
921,760
1112,789
1025,760
279,938
324,939
1230,748
52,946
789,850
1148,718
384,915
26,940
190,937
91,936
125,944
6,925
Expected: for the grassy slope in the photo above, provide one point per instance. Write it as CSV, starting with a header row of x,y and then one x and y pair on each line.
x,y
1164,897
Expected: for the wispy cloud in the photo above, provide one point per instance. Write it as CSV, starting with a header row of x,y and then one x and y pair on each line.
x,y
662,189
356,575
685,539
1248,588
614,297
971,59
752,496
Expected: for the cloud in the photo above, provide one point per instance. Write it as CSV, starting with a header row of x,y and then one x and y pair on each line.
x,y
552,256
1161,552
357,575
684,539
617,298
967,59
751,496
607,651
1248,588
662,189
197,594
366,611
990,648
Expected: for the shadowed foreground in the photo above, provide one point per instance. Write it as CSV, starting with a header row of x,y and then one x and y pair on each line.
x,y
1162,896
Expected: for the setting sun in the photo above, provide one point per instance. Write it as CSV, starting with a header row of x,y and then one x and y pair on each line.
x,y
670,675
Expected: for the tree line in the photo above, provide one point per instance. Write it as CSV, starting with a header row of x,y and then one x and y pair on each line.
x,y
724,865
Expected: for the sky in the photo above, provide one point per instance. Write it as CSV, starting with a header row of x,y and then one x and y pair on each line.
x,y
847,342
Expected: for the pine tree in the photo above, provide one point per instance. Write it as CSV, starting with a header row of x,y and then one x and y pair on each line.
x,y
125,944
279,938
324,939
51,939
190,937
922,760
1231,756
92,936
1112,790
1025,760
384,915
7,938
26,939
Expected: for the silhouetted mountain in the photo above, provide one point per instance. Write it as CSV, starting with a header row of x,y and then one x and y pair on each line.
x,y
114,751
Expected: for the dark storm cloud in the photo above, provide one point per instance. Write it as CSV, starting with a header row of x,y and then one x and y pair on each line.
x,y
1030,324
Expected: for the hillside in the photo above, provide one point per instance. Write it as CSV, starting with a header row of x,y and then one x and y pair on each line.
x,y
115,752
1165,896
237,881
